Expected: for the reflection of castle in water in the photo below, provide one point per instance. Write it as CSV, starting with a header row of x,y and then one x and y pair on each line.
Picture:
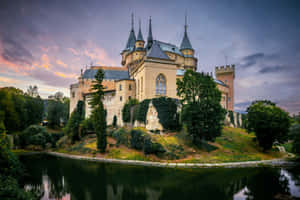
x,y
58,178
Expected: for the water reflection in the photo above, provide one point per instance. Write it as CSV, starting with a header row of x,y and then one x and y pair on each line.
x,y
59,178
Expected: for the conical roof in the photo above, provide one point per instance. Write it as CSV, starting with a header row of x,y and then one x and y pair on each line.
x,y
140,35
185,44
131,39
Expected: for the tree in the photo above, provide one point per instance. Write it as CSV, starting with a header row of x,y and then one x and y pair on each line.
x,y
202,112
32,91
98,112
73,125
55,113
19,110
269,123
33,110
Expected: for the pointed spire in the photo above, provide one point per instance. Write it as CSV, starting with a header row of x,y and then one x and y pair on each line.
x,y
185,44
131,39
150,38
132,22
140,35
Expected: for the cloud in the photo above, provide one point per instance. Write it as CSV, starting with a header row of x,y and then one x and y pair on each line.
x,y
251,60
61,63
14,54
11,81
271,69
74,52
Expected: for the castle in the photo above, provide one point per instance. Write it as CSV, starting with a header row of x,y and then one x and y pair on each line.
x,y
148,70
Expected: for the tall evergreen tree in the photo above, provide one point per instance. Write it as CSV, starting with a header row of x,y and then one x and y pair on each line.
x,y
98,112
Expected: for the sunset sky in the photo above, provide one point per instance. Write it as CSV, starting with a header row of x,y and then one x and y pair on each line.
x,y
46,43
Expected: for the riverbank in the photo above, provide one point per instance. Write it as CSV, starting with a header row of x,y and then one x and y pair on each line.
x,y
273,162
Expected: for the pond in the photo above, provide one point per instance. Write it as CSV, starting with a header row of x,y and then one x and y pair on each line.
x,y
62,178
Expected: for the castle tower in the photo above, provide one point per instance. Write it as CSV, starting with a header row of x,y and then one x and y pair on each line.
x,y
150,38
227,75
186,47
130,42
139,43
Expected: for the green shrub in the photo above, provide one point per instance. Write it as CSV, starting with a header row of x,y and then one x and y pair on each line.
x,y
151,147
35,135
122,137
10,189
137,139
167,112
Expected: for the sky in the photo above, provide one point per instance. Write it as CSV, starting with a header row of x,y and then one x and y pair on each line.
x,y
46,43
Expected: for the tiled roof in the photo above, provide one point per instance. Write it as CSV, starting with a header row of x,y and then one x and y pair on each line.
x,y
110,73
169,47
156,52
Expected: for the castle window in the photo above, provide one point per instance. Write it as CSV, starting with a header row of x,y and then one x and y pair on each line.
x,y
121,98
120,87
73,94
160,85
228,99
129,97
129,87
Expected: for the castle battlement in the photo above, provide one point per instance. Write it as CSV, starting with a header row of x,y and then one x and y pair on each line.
x,y
225,69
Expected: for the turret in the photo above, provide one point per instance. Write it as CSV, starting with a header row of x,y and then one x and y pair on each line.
x,y
186,47
130,42
226,75
139,43
150,38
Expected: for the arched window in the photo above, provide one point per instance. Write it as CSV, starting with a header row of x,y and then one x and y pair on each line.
x,y
160,85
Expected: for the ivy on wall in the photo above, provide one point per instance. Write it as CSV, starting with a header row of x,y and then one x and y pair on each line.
x,y
167,112
141,110
126,109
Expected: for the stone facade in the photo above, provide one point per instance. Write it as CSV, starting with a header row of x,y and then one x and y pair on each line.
x,y
148,71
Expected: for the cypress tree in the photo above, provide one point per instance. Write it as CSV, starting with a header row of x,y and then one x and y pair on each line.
x,y
98,112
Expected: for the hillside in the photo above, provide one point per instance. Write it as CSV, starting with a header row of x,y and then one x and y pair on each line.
x,y
233,145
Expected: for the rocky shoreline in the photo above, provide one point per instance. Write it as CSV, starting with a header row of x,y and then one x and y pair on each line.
x,y
273,162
